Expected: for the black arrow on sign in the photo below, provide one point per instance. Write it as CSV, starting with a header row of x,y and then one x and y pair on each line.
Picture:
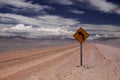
x,y
80,33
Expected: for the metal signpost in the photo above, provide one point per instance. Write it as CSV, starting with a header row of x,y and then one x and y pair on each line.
x,y
81,35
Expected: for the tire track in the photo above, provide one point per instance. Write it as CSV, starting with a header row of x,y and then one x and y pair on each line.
x,y
13,66
34,56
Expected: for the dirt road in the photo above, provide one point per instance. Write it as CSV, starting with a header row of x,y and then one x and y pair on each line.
x,y
100,62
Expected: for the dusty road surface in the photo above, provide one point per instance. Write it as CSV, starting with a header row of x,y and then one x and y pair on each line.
x,y
100,62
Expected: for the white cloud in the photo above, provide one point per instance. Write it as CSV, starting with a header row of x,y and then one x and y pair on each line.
x,y
21,28
101,27
46,25
20,18
60,31
33,32
57,20
103,5
46,20
49,25
62,2
77,11
22,4
103,30
118,11
16,30
97,35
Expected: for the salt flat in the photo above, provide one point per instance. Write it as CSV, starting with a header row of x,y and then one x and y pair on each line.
x,y
100,62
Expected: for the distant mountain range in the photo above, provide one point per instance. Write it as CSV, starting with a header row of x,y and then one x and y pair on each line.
x,y
54,38
112,41
105,38
12,37
25,38
16,42
13,43
15,38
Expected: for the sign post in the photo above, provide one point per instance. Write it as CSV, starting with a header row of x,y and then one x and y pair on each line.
x,y
81,35
81,55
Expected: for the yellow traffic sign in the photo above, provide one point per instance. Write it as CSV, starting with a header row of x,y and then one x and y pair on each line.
x,y
81,35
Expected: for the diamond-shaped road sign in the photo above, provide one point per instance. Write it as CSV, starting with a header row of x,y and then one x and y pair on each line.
x,y
81,35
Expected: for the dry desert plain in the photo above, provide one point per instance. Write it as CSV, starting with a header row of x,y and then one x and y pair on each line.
x,y
100,62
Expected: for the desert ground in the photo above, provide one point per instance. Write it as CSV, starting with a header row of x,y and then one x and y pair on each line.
x,y
100,62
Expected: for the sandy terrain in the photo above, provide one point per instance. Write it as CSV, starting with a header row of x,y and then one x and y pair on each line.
x,y
62,63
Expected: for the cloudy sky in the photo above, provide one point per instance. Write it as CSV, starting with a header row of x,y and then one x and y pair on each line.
x,y
59,18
